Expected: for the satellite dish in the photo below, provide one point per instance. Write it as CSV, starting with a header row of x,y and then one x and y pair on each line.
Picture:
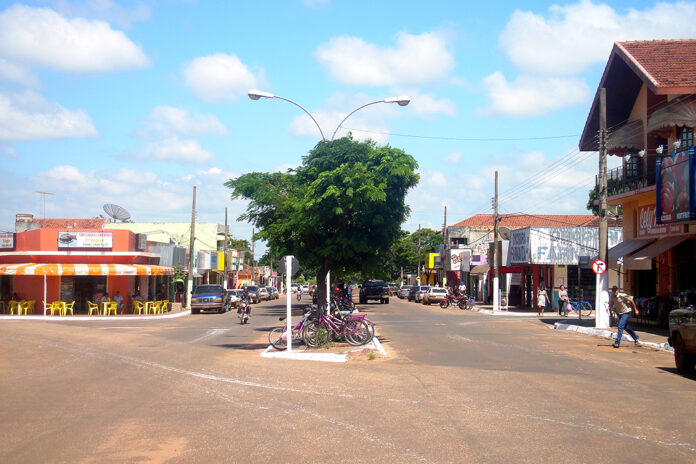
x,y
504,233
117,212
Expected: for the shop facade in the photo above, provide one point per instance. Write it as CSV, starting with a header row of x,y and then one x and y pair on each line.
x,y
79,265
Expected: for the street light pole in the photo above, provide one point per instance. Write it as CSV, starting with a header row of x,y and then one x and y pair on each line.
x,y
401,101
256,94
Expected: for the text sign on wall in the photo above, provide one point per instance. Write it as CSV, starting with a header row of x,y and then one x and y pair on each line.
x,y
558,245
7,241
73,239
648,226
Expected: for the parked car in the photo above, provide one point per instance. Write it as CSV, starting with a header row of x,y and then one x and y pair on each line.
x,y
682,336
403,291
252,291
272,292
435,295
305,289
262,294
234,297
412,293
422,290
209,298
294,288
393,289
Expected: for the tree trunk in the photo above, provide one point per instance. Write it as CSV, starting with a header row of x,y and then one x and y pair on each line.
x,y
321,282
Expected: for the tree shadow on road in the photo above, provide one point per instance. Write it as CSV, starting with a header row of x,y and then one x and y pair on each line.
x,y
244,346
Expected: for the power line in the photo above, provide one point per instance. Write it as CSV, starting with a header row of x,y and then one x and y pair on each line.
x,y
463,139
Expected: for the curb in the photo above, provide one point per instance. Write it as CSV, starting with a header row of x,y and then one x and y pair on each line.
x,y
298,355
610,335
93,318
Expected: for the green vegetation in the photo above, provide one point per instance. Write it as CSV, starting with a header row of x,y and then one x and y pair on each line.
x,y
341,210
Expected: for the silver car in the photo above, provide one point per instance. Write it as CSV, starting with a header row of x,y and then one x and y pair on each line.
x,y
403,291
422,290
262,294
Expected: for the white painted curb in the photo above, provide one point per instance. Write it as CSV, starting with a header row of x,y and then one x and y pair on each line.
x,y
609,334
94,318
271,352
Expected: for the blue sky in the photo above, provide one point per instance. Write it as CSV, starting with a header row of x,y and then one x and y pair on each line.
x,y
134,103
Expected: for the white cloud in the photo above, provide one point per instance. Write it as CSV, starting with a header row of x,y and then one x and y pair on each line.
x,y
414,60
166,119
532,96
220,77
453,158
106,10
42,37
16,73
177,150
28,116
572,37
426,105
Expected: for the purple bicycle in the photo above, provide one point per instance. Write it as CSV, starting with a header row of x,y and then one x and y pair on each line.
x,y
353,329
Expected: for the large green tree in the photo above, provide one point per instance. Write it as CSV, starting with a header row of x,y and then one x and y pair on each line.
x,y
340,210
404,252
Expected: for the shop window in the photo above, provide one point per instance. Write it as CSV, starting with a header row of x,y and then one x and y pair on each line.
x,y
633,166
686,136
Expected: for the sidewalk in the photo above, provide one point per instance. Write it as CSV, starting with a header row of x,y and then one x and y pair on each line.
x,y
653,337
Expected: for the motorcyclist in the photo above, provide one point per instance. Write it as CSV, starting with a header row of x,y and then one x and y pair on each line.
x,y
246,302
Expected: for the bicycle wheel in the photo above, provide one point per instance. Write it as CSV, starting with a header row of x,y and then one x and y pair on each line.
x,y
586,308
310,333
357,333
278,338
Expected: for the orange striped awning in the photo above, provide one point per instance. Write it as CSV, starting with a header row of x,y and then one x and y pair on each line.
x,y
55,269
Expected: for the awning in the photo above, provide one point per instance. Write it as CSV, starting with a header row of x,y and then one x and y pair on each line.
x,y
480,269
675,113
55,269
629,135
627,247
642,260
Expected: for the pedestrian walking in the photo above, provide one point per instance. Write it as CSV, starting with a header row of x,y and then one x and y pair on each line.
x,y
623,305
542,299
563,301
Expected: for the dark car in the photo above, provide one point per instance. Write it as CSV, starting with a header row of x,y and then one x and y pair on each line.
x,y
252,292
209,298
682,336
374,290
412,293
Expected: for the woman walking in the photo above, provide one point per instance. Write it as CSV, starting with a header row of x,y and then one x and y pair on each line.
x,y
563,301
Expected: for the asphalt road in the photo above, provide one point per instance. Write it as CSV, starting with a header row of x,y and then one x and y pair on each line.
x,y
456,386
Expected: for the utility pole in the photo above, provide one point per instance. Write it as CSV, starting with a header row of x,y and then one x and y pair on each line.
x,y
418,279
444,249
496,283
602,298
189,279
224,253
253,267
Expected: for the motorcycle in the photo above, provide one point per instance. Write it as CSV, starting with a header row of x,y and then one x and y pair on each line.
x,y
451,300
243,311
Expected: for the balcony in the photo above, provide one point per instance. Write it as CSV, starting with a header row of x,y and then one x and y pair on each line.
x,y
635,174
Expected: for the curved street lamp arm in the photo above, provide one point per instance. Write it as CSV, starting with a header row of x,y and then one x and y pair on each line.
x,y
351,113
308,114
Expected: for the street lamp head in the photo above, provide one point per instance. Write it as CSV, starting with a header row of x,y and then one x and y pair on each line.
x,y
256,94
401,100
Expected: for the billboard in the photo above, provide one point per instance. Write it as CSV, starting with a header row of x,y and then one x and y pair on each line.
x,y
7,241
675,188
73,239
458,259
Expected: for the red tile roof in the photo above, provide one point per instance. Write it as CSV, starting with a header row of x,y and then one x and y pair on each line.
x,y
666,63
59,223
519,221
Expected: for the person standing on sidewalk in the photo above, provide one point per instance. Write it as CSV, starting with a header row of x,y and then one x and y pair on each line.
x,y
623,305
563,301
542,299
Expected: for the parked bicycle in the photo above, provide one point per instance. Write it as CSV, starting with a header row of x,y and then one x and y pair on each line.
x,y
583,308
278,336
353,329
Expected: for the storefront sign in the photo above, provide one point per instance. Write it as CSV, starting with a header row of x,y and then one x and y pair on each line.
x,y
7,241
557,245
675,188
648,226
459,260
74,239
203,261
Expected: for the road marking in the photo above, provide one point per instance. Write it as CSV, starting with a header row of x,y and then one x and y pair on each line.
x,y
209,334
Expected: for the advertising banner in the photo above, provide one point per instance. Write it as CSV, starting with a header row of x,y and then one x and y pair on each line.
x,y
458,260
7,241
675,187
648,226
73,239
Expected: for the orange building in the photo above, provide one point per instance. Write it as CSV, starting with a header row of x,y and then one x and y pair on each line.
x,y
72,264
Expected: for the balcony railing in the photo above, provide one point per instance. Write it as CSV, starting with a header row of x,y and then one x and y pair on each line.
x,y
629,177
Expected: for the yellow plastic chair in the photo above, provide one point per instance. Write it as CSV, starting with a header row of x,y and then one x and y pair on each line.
x,y
52,308
92,308
150,307
30,307
23,307
111,307
138,306
68,307
164,306
14,306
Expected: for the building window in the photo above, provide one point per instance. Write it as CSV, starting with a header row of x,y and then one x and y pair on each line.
x,y
633,166
686,136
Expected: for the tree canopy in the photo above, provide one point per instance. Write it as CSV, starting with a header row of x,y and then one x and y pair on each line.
x,y
341,210
404,252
